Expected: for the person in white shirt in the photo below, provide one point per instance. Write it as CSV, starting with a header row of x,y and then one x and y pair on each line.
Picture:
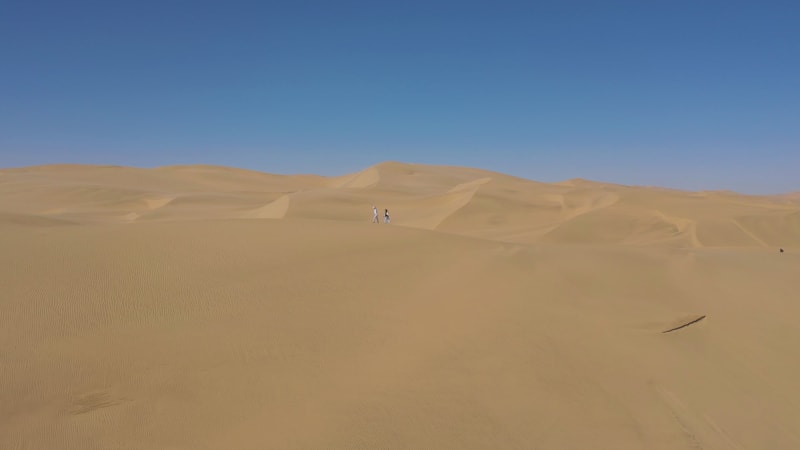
x,y
375,215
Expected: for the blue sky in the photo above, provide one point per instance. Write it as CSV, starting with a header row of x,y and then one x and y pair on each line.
x,y
686,94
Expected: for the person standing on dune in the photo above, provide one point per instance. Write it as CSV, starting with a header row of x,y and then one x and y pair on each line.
x,y
375,218
386,216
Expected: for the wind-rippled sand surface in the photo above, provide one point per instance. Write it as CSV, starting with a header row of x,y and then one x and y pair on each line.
x,y
204,307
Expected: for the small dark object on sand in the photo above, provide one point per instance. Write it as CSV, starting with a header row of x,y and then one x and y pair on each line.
x,y
781,250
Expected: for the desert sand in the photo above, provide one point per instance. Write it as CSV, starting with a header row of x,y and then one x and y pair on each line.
x,y
201,307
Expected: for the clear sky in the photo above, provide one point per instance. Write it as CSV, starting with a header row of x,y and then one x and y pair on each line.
x,y
697,94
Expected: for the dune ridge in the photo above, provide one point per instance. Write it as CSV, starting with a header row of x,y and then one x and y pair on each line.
x,y
211,308
464,201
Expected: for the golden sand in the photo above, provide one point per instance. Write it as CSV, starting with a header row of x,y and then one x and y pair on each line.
x,y
201,307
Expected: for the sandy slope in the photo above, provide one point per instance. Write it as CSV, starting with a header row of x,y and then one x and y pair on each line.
x,y
205,307
457,200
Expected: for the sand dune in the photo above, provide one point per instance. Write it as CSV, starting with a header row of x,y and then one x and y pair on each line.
x,y
457,200
206,307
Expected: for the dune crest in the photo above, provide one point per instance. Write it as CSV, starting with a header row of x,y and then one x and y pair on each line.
x,y
458,200
429,212
367,178
274,210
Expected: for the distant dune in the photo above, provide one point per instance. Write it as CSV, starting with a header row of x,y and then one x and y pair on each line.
x,y
206,307
463,201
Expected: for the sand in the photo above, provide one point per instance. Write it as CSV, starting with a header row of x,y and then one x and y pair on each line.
x,y
202,307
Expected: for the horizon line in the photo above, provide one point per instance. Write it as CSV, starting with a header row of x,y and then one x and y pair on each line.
x,y
454,166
